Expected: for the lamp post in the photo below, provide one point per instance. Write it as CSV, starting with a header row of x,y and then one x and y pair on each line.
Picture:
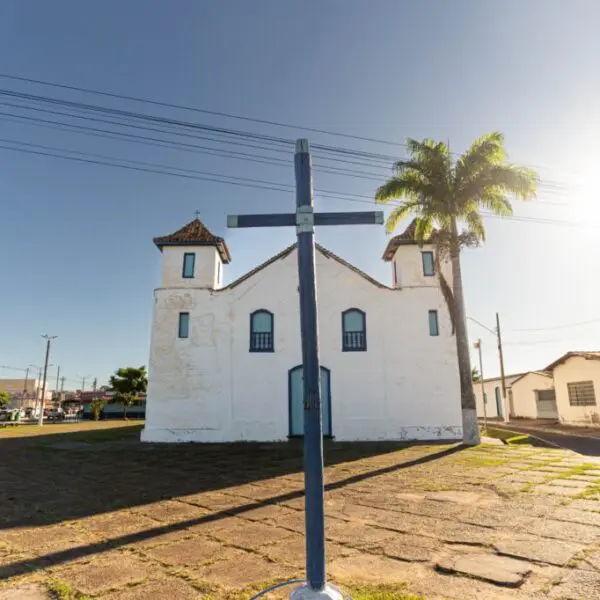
x,y
477,346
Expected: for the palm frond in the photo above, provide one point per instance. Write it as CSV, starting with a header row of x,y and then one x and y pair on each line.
x,y
424,225
495,200
475,224
483,152
399,213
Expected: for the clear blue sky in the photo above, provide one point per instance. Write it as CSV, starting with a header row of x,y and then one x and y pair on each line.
x,y
76,239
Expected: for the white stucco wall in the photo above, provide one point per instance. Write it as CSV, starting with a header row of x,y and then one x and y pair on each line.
x,y
524,394
572,370
206,270
210,388
409,267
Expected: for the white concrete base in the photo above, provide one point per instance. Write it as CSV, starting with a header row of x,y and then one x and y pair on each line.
x,y
215,436
329,592
470,427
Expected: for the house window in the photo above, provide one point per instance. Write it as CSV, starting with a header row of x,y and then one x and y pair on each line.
x,y
261,331
354,330
428,264
189,261
184,325
434,328
581,393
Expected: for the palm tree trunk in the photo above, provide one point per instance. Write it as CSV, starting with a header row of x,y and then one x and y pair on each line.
x,y
467,397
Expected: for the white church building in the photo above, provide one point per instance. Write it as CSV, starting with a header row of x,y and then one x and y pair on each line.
x,y
225,360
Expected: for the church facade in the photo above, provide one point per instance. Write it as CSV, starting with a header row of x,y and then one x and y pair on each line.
x,y
225,360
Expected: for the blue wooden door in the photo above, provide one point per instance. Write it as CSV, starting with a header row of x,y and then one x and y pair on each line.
x,y
296,401
498,402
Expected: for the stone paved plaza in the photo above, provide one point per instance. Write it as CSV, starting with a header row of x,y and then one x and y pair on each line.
x,y
97,514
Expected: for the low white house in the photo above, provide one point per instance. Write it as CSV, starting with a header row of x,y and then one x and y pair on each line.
x,y
225,360
577,384
533,396
495,405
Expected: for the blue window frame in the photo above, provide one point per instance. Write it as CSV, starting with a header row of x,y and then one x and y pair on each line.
x,y
261,331
184,325
189,262
428,264
434,328
354,330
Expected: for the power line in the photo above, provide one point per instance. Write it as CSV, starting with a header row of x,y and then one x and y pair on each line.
x,y
227,179
567,326
205,111
192,147
385,158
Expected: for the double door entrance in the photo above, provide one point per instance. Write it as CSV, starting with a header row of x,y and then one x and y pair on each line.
x,y
296,401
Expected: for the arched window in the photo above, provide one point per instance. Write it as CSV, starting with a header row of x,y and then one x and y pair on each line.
x,y
261,331
354,330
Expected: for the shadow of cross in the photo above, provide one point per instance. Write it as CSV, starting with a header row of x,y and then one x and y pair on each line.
x,y
31,565
305,220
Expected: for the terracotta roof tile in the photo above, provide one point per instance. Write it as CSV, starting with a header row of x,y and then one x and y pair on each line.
x,y
406,238
195,233
564,357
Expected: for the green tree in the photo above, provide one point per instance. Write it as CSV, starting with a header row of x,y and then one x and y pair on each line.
x,y
96,406
445,194
128,384
4,399
475,376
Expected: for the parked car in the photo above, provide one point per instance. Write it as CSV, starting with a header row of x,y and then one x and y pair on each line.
x,y
56,414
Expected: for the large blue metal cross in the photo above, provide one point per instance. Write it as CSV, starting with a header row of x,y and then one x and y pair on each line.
x,y
305,220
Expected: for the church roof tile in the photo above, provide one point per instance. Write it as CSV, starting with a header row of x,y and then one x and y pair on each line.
x,y
195,233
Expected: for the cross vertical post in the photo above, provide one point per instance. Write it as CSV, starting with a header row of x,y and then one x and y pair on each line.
x,y
305,220
313,427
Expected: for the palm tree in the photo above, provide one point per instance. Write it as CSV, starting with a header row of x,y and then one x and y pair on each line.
x,y
443,194
128,383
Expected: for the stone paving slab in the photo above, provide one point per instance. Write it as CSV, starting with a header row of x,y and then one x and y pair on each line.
x,y
188,552
488,567
556,489
25,592
242,569
171,588
539,550
578,516
586,504
106,572
576,532
577,585
573,483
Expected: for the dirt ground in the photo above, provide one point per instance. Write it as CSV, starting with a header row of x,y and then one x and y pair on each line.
x,y
88,511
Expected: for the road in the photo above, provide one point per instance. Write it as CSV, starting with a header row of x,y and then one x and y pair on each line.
x,y
582,444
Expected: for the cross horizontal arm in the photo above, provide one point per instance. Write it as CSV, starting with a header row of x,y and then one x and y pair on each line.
x,y
272,220
374,217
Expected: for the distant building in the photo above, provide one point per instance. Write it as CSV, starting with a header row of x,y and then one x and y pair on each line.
x,y
566,390
23,393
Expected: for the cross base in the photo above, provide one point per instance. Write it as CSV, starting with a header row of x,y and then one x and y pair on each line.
x,y
305,592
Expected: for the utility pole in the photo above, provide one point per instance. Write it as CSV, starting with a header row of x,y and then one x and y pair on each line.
x,y
305,220
48,339
25,386
62,384
57,377
483,398
83,383
94,385
499,335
